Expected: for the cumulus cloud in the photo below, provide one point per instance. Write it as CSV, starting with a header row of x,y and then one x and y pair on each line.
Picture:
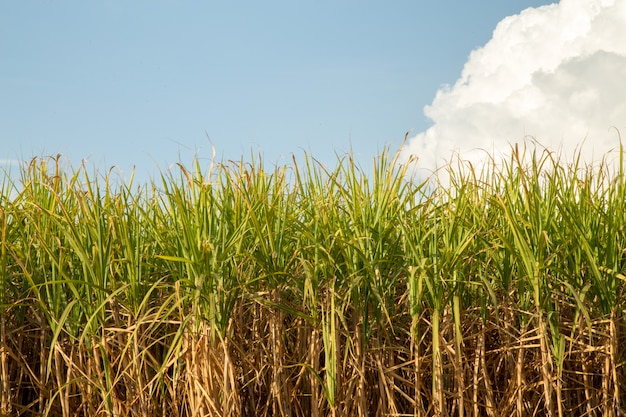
x,y
556,73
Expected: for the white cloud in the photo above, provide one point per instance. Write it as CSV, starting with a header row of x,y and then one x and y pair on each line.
x,y
556,73
10,162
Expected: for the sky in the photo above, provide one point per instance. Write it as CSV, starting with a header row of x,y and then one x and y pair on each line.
x,y
146,84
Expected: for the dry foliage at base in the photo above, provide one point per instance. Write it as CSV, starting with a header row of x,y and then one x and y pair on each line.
x,y
305,292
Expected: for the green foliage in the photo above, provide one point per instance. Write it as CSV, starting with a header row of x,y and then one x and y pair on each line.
x,y
359,257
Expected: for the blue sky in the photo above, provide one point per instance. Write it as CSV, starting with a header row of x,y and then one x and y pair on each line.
x,y
143,83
